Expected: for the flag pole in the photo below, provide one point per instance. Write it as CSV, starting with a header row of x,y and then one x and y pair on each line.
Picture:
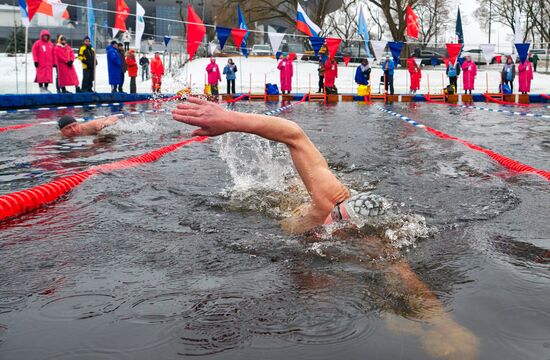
x,y
26,57
95,55
15,48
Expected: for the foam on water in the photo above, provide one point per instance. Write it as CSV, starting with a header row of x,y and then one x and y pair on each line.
x,y
264,180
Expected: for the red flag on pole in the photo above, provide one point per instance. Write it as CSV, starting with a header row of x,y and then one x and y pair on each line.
x,y
122,11
238,36
453,50
332,46
412,23
195,31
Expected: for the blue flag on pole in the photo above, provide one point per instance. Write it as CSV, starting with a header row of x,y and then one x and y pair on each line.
x,y
166,40
363,30
222,33
242,25
24,13
458,29
316,43
91,21
523,51
395,48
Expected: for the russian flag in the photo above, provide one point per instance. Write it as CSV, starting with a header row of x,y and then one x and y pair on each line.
x,y
305,25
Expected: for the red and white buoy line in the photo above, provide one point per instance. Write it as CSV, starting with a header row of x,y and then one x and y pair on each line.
x,y
20,202
503,160
503,111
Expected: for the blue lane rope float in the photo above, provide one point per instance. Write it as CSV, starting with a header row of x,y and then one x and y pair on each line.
x,y
4,112
283,108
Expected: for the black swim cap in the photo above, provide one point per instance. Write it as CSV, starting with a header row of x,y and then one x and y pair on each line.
x,y
65,120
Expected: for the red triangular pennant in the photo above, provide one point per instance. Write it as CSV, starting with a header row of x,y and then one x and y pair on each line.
x,y
32,7
346,60
332,46
195,31
238,36
292,56
454,51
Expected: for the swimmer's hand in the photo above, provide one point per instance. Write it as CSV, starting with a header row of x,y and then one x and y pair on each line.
x,y
212,119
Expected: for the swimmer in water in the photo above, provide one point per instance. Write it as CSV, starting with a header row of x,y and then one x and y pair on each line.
x,y
70,128
331,202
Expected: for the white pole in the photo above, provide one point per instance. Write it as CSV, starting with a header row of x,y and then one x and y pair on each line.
x,y
26,53
241,71
95,62
15,48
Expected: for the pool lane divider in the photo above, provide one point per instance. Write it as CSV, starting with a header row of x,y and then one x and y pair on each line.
x,y
283,108
20,202
503,160
504,111
502,102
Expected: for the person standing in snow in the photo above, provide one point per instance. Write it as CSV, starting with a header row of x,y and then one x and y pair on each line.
x,y
44,60
286,72
214,76
64,58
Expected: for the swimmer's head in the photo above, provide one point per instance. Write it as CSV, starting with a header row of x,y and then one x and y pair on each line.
x,y
65,120
358,209
68,126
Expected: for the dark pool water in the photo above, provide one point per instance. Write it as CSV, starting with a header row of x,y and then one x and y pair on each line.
x,y
162,262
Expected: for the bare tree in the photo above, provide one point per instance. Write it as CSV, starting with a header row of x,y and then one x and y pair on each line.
x,y
343,22
535,16
433,18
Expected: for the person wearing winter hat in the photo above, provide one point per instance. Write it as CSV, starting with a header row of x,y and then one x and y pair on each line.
x,y
64,58
86,55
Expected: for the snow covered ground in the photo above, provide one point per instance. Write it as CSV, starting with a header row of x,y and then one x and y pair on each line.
x,y
252,74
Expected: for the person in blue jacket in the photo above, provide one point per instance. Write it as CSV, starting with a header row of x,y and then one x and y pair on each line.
x,y
388,66
362,74
114,64
229,70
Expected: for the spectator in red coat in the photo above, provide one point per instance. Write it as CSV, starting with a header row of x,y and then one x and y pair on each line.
x,y
331,73
44,60
157,70
132,69
64,58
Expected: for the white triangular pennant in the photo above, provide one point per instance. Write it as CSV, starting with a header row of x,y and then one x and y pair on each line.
x,y
370,60
115,31
299,56
418,62
488,51
212,47
378,47
58,9
275,39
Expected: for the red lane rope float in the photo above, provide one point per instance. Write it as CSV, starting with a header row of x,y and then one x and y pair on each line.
x,y
501,102
503,160
16,127
545,96
20,202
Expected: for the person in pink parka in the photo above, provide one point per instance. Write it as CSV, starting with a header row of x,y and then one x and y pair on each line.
x,y
415,73
286,72
44,60
64,58
214,76
525,72
469,72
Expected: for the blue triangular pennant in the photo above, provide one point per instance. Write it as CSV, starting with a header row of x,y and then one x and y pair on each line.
x,y
461,60
222,33
395,48
167,40
316,43
278,55
523,51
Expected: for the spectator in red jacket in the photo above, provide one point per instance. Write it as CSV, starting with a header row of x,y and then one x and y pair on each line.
x,y
157,70
64,58
132,69
44,60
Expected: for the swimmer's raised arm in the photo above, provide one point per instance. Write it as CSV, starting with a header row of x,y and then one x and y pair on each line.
x,y
323,187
